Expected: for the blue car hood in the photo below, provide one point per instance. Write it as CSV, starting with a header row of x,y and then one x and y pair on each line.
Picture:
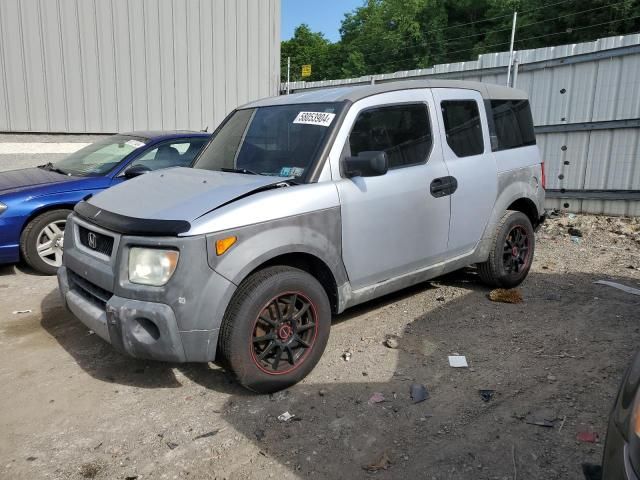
x,y
16,180
179,193
38,181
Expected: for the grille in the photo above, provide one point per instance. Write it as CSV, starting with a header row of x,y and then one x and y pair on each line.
x,y
96,241
89,290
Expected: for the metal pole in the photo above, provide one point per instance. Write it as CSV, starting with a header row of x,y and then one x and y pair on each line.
x,y
288,72
513,36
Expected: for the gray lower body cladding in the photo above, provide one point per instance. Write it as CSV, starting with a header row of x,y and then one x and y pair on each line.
x,y
178,322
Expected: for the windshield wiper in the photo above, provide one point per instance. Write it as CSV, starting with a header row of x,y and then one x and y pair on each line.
x,y
52,168
239,170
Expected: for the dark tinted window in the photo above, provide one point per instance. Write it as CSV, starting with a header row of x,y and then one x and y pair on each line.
x,y
462,126
512,124
402,131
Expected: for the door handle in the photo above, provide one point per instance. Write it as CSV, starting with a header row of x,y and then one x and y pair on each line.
x,y
443,186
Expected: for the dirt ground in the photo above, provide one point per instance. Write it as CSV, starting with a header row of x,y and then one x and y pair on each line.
x,y
71,407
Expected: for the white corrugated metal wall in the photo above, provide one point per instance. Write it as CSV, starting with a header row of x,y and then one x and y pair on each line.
x,y
585,100
102,66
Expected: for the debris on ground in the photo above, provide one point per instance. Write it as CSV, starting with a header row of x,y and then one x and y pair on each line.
x,y
172,445
588,437
346,356
440,299
458,361
391,342
503,295
574,232
322,392
418,392
377,397
383,463
619,286
541,419
577,240
486,395
285,417
259,433
20,312
212,433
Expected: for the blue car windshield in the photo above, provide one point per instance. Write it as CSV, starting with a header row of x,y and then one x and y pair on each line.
x,y
279,140
100,157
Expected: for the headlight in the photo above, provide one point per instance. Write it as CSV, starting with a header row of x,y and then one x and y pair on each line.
x,y
3,207
151,266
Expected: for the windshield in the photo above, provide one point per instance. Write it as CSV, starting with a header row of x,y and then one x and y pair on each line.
x,y
283,140
98,158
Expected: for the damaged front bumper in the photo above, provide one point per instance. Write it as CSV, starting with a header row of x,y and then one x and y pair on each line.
x,y
138,328
177,322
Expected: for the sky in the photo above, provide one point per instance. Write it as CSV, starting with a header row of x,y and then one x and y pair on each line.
x,y
321,15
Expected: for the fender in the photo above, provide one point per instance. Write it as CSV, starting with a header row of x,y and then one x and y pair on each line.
x,y
512,185
316,233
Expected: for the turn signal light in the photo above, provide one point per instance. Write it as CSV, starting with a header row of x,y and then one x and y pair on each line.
x,y
224,244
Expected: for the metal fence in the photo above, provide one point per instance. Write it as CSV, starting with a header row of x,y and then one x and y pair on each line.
x,y
103,66
585,100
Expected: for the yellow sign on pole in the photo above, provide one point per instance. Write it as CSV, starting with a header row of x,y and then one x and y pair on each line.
x,y
306,70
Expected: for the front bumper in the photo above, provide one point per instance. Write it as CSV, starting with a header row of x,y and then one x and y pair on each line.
x,y
138,328
178,322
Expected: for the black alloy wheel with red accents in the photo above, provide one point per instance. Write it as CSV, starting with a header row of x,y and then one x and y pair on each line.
x,y
275,329
284,333
516,250
512,251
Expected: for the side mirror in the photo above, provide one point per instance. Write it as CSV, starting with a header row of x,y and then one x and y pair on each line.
x,y
136,171
366,164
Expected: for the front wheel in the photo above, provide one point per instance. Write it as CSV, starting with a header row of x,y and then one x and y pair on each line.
x,y
41,242
511,253
275,329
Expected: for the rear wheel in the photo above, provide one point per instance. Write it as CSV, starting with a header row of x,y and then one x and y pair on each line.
x,y
275,329
41,242
512,252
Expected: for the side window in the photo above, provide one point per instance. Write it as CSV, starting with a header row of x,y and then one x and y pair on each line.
x,y
513,124
462,127
402,131
174,154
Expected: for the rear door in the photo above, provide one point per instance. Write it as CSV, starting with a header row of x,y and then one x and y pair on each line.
x,y
392,224
467,153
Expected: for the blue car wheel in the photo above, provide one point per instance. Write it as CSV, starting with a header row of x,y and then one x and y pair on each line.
x,y
42,240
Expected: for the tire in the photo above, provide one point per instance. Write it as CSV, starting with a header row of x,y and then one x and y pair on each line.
x,y
251,329
45,229
511,253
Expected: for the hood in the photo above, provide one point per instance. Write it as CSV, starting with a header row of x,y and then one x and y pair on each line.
x,y
15,180
178,193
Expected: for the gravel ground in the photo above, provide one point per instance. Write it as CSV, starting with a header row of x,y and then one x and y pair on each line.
x,y
73,408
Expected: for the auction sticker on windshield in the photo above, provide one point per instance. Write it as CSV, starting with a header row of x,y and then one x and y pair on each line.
x,y
315,118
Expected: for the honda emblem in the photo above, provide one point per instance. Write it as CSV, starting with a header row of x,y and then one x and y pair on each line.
x,y
92,240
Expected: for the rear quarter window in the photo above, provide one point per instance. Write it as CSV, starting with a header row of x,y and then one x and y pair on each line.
x,y
512,124
462,127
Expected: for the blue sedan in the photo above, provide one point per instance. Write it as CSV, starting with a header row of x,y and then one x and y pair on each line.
x,y
35,202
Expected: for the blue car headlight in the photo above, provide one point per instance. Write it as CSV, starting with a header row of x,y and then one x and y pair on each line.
x,y
3,207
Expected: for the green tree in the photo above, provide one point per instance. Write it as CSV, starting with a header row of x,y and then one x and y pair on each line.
x,y
385,36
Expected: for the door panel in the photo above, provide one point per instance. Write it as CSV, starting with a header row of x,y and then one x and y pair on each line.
x,y
391,224
475,174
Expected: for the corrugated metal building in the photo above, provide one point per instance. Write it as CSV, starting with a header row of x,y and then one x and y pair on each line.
x,y
103,66
585,100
